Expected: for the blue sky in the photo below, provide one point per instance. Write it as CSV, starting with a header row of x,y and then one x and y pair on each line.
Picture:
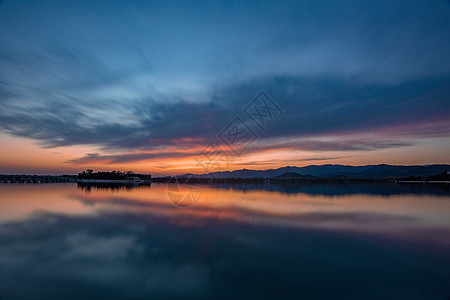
x,y
126,79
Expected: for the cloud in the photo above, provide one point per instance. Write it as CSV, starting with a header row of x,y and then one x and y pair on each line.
x,y
93,158
299,144
114,77
312,107
337,144
324,158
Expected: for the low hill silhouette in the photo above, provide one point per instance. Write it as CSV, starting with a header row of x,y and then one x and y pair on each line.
x,y
293,175
334,171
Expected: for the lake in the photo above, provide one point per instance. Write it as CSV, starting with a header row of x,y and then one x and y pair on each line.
x,y
263,241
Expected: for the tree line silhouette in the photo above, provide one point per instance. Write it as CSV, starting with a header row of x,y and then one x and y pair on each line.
x,y
113,175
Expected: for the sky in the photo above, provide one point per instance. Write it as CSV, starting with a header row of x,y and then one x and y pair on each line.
x,y
153,86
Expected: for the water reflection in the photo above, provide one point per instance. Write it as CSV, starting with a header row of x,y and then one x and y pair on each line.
x,y
326,189
342,188
109,186
64,242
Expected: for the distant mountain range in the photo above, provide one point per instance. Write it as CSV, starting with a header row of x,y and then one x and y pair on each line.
x,y
292,175
369,171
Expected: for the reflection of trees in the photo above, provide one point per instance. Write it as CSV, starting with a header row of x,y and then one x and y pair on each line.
x,y
113,175
87,187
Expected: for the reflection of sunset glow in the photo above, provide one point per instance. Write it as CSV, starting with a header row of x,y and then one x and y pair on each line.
x,y
394,215
21,201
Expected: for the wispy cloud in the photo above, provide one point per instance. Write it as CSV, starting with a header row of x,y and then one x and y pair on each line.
x,y
96,158
130,78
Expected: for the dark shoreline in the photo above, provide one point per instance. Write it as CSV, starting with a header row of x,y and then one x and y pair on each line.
x,y
289,180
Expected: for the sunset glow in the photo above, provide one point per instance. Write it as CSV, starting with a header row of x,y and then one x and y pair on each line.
x,y
223,149
120,87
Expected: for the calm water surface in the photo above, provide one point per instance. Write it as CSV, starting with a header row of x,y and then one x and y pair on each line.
x,y
313,241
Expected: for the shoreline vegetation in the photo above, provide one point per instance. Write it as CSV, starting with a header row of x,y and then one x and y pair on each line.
x,y
89,174
384,173
262,180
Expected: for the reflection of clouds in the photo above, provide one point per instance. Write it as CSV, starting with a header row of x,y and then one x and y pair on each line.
x,y
388,225
124,258
83,245
355,218
121,201
138,255
232,244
